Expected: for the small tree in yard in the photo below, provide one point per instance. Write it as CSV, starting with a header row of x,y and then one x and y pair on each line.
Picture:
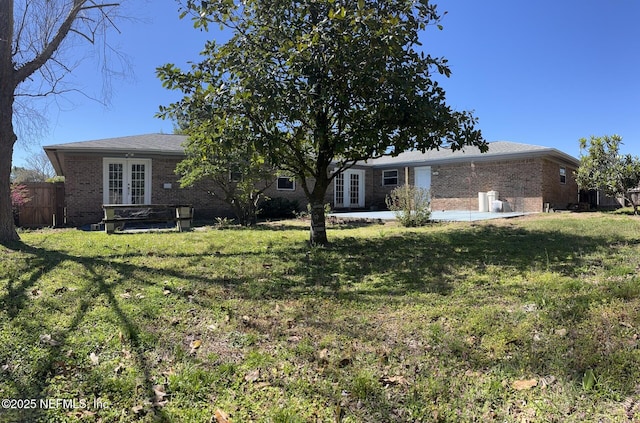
x,y
603,167
222,150
239,174
410,204
323,85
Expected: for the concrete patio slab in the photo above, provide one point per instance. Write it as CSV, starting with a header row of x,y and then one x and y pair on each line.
x,y
441,216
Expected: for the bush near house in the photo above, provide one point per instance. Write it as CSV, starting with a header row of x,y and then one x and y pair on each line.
x,y
411,205
278,208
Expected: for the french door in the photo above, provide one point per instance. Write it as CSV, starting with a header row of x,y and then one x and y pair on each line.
x,y
348,189
127,181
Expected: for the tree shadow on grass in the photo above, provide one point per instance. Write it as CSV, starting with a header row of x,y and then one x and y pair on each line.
x,y
382,271
388,266
536,265
43,261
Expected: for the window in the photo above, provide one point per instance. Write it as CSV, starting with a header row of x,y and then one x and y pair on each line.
x,y
389,177
563,175
286,183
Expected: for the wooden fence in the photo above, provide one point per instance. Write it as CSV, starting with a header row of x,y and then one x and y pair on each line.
x,y
45,207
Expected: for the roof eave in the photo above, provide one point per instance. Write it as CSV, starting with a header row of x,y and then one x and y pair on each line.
x,y
105,151
482,158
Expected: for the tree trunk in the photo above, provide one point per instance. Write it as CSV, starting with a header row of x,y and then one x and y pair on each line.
x,y
318,234
7,134
7,140
318,229
633,204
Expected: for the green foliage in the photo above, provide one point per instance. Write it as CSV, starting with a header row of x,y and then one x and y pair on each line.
x,y
230,161
603,167
321,84
588,380
410,204
55,179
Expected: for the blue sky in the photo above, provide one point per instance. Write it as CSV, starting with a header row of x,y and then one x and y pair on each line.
x,y
537,72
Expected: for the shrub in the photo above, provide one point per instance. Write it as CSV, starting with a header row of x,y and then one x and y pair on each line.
x,y
410,204
278,208
19,196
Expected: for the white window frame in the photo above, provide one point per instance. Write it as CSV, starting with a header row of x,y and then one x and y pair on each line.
x,y
126,162
289,179
385,178
563,175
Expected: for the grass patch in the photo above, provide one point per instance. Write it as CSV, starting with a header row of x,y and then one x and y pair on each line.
x,y
442,323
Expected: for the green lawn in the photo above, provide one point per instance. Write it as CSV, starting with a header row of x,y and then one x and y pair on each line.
x,y
533,319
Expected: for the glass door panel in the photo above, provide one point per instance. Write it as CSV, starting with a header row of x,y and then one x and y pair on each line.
x,y
137,183
126,181
115,183
349,189
354,190
339,191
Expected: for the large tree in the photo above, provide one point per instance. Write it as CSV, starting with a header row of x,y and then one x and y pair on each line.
x,y
32,33
324,84
603,167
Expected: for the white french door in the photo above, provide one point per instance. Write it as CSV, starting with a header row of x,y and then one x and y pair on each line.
x,y
126,181
348,189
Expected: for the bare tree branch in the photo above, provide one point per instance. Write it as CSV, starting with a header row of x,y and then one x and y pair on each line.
x,y
50,48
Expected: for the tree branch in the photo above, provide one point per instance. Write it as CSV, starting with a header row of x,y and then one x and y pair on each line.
x,y
30,67
21,27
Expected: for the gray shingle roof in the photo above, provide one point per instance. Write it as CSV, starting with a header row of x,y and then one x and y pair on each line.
x,y
171,144
149,143
497,150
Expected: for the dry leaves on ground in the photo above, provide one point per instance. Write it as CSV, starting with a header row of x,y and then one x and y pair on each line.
x,y
521,385
221,416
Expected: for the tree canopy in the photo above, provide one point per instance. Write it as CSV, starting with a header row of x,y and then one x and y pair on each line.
x,y
603,167
322,84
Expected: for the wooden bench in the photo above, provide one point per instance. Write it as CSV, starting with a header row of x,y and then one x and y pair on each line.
x,y
115,214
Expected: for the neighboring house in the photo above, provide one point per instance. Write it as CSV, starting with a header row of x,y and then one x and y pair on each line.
x,y
140,170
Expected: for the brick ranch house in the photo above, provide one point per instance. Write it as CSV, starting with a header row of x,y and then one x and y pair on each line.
x,y
140,170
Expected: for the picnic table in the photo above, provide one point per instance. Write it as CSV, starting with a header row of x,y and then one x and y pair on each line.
x,y
116,214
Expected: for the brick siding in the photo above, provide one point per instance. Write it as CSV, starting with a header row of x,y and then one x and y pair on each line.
x,y
518,182
83,189
559,195
525,184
